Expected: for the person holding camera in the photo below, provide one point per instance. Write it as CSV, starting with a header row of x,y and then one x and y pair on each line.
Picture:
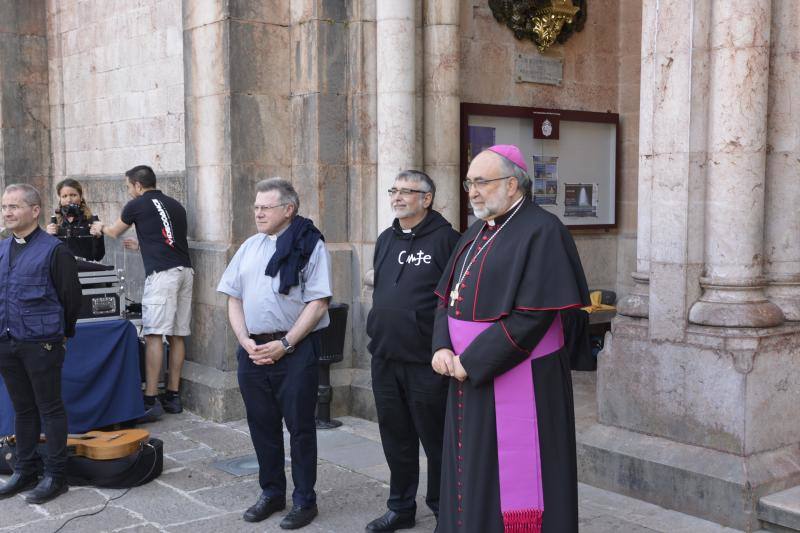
x,y
73,220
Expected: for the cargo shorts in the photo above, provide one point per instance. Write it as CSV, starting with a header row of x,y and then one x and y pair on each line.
x,y
167,302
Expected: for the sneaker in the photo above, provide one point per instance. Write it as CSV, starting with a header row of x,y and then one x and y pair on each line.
x,y
152,413
171,402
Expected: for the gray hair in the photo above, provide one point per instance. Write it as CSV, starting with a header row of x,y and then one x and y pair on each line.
x,y
285,190
29,193
509,168
418,176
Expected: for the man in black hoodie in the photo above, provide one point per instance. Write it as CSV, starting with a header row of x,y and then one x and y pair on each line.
x,y
410,398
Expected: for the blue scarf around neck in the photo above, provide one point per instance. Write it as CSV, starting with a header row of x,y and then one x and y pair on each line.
x,y
292,252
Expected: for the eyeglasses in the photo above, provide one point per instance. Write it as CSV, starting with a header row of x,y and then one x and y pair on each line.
x,y
12,208
265,208
479,183
405,192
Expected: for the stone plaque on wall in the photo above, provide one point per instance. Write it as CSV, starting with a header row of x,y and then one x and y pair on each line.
x,y
538,69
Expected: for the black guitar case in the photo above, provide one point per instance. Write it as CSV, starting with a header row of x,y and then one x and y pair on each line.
x,y
136,469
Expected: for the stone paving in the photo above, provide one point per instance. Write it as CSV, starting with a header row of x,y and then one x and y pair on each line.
x,y
194,496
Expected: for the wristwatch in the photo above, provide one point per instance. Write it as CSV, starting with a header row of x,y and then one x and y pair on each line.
x,y
286,346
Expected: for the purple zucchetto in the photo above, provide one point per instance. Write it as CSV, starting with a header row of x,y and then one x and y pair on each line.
x,y
510,152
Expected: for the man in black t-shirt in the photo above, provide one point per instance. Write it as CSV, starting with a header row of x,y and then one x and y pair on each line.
x,y
161,229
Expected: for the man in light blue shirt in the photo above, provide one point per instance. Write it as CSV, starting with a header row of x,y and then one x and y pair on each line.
x,y
278,287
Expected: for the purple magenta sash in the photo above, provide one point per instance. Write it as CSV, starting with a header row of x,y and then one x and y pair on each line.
x,y
518,459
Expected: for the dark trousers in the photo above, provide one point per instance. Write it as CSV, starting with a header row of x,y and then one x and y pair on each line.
x,y
32,375
410,399
286,391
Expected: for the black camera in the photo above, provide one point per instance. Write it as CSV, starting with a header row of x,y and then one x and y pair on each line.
x,y
78,228
70,210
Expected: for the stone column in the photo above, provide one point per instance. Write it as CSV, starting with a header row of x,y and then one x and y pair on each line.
x,y
733,284
56,87
24,102
672,153
782,228
693,417
319,117
637,303
442,110
365,198
319,112
236,71
396,35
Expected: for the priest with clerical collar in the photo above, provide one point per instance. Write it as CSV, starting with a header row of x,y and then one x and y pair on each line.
x,y
41,298
509,447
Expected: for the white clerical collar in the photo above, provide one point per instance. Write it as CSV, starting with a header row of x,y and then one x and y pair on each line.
x,y
23,240
491,223
406,230
281,232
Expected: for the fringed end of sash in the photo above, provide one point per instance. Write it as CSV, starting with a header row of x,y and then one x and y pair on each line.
x,y
523,521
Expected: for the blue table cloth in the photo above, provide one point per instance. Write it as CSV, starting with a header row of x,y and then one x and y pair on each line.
x,y
100,382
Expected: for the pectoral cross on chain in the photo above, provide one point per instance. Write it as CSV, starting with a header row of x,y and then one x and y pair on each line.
x,y
453,297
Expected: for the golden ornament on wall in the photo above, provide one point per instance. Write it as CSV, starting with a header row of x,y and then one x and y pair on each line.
x,y
542,21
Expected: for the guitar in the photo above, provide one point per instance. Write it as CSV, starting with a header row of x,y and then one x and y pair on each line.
x,y
104,445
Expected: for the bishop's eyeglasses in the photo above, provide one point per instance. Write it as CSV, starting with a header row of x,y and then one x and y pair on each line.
x,y
479,183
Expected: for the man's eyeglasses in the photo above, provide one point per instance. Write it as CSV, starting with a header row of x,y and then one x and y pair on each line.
x,y
405,192
479,183
265,208
12,208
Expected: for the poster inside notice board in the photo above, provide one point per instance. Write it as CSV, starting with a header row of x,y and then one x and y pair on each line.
x,y
573,177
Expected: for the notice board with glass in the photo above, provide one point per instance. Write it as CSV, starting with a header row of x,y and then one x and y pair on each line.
x,y
571,158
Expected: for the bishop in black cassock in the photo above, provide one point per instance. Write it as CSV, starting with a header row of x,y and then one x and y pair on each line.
x,y
509,448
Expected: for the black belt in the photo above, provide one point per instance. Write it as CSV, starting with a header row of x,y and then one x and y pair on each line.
x,y
263,338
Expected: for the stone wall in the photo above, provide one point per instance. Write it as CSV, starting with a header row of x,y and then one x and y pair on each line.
x,y
116,91
600,74
116,101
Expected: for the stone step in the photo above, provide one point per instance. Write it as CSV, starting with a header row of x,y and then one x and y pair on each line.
x,y
780,512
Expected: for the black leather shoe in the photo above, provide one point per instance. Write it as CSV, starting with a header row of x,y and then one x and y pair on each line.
x,y
17,483
299,517
47,489
392,521
263,508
